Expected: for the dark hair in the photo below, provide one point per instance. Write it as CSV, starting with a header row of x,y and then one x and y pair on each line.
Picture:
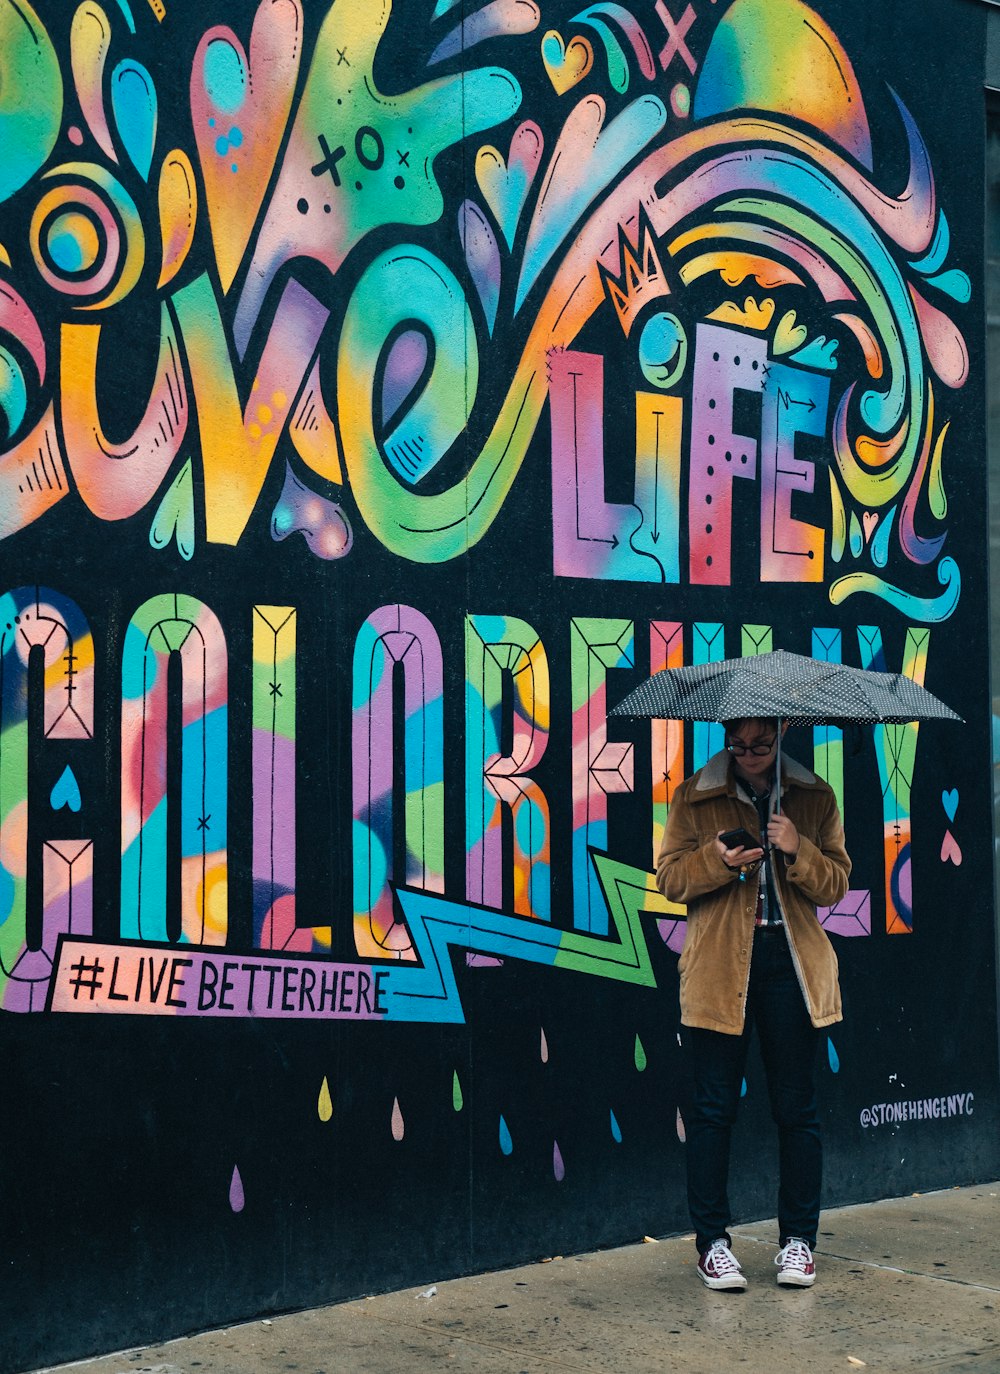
x,y
731,726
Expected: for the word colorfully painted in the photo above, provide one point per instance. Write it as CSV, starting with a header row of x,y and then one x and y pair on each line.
x,y
506,737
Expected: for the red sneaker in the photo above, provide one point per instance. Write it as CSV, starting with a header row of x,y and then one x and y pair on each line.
x,y
796,1266
719,1267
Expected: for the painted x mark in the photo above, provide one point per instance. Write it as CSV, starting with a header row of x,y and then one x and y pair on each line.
x,y
676,32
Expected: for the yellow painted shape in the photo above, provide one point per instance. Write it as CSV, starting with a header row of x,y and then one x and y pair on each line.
x,y
177,195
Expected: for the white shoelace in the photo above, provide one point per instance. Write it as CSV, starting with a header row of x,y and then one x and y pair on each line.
x,y
795,1255
722,1259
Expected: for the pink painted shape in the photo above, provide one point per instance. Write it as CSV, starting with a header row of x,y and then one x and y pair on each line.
x,y
601,767
950,851
274,812
946,348
279,930
725,361
505,780
586,529
17,319
237,1198
115,480
33,476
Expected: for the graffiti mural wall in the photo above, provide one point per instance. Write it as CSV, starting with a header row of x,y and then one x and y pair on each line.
x,y
385,389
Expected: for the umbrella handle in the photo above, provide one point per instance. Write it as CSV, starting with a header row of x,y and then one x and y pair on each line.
x,y
777,774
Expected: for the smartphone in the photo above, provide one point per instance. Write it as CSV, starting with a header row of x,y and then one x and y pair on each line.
x,y
737,839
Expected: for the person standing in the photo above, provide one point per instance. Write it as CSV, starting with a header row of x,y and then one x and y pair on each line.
x,y
754,954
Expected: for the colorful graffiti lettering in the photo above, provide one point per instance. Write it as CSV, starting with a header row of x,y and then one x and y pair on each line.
x,y
174,833
356,254
844,304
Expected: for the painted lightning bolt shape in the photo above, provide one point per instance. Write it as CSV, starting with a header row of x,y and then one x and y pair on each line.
x,y
436,925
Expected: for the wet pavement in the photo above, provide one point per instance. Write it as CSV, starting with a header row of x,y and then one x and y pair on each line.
x,y
909,1284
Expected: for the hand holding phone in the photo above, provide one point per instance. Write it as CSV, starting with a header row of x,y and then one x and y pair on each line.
x,y
739,839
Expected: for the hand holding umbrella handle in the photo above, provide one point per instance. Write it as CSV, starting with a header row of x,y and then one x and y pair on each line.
x,y
783,836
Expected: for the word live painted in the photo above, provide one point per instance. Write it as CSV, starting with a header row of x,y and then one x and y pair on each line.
x,y
403,916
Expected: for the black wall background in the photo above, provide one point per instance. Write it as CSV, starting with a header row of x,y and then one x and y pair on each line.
x,y
118,1136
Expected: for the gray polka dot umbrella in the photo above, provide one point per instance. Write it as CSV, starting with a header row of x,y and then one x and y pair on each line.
x,y
785,687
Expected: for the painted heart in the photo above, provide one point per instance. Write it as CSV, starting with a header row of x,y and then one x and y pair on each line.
x,y
788,334
505,184
869,520
949,800
950,852
566,63
66,792
240,107
175,517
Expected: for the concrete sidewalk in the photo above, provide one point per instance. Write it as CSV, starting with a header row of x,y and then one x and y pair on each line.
x,y
908,1284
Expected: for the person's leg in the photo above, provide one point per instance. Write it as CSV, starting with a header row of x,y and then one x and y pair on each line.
x,y
717,1063
788,1043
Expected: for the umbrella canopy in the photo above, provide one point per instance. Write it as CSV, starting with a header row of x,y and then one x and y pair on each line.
x,y
783,686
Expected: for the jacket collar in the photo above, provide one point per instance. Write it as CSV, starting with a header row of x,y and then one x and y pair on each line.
x,y
717,776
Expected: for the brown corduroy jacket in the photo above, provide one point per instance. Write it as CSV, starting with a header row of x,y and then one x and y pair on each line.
x,y
715,963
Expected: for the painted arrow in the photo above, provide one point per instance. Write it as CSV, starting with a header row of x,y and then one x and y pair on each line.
x,y
787,400
430,992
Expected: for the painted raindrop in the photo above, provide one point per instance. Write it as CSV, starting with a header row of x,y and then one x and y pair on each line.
x,y
681,1133
543,1048
506,1144
397,1120
743,1088
325,1104
832,1056
856,537
457,1100
640,1055
616,1130
558,1167
237,1200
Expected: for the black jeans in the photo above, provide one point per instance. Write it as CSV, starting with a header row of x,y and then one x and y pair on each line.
x,y
788,1044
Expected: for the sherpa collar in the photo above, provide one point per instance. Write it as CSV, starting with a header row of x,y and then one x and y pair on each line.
x,y
716,776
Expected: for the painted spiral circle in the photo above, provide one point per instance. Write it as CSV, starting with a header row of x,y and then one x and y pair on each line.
x,y
86,236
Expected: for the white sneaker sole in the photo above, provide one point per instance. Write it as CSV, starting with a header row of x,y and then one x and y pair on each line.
x,y
735,1283
795,1280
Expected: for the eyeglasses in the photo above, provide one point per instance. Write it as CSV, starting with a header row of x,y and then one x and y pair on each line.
x,y
758,750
